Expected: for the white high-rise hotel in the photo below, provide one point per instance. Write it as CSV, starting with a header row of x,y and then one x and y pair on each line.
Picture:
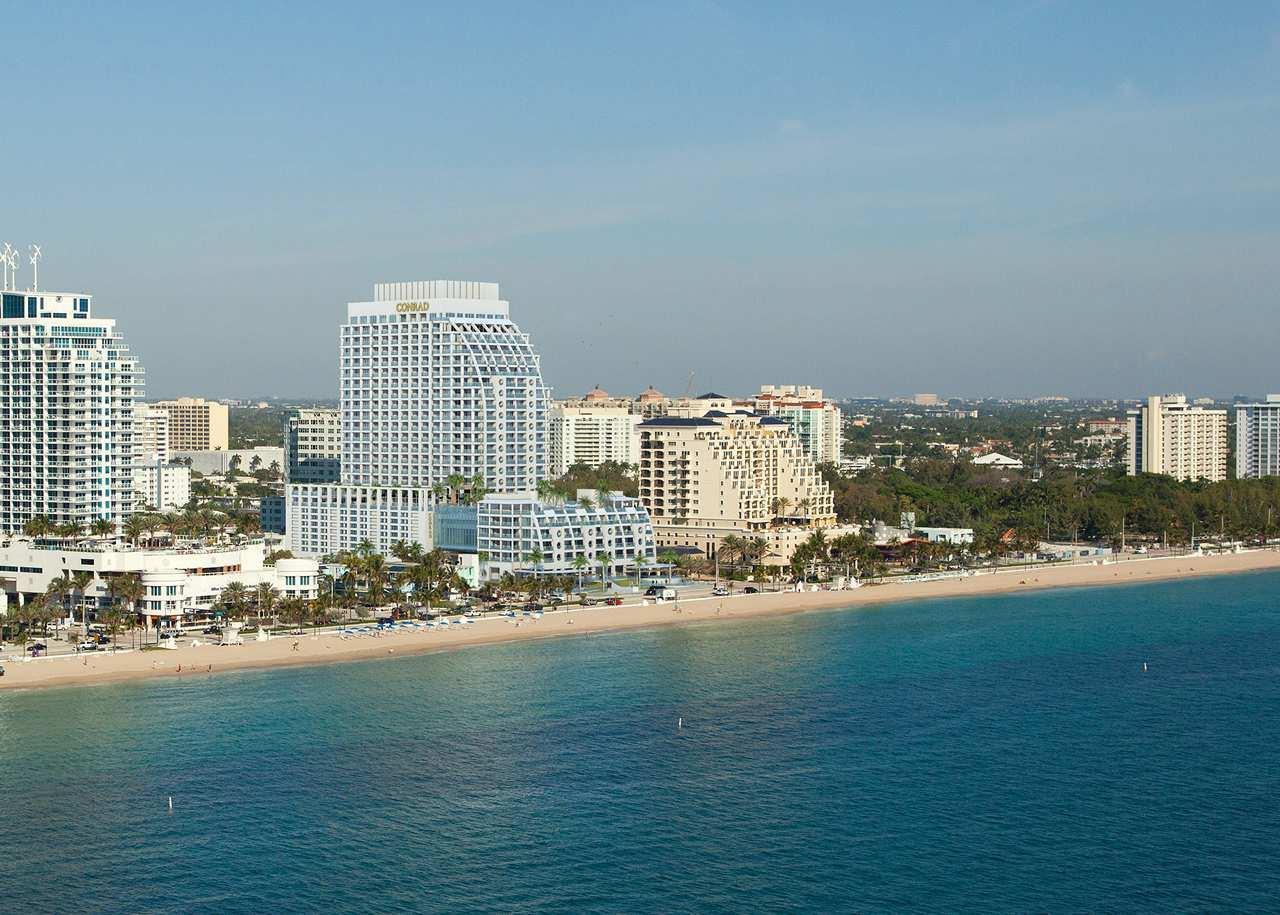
x,y
437,381
67,391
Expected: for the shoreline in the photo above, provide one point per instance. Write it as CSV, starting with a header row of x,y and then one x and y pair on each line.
x,y
95,669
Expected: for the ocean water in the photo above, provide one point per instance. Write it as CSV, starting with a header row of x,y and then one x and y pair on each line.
x,y
987,754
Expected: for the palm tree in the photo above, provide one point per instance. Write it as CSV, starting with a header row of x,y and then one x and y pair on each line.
x,y
731,549
266,597
101,527
81,581
605,561
135,526
59,589
127,590
669,558
375,576
235,598
580,563
456,481
37,526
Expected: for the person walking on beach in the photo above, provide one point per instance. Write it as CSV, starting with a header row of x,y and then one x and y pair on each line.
x,y
295,644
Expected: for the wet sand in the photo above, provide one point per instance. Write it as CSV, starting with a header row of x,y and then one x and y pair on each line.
x,y
281,651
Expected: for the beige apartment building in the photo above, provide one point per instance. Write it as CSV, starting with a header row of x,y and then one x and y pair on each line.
x,y
196,424
706,477
1168,436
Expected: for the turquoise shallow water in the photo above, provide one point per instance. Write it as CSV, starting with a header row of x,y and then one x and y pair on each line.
x,y
990,754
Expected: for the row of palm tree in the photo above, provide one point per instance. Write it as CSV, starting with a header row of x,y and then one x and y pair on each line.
x,y
141,527
457,489
41,526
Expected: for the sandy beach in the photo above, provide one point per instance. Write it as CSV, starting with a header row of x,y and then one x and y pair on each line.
x,y
282,651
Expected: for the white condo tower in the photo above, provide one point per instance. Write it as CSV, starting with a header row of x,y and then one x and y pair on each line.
x,y
437,380
67,391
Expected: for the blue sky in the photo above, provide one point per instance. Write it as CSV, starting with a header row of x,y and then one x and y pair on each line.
x,y
970,198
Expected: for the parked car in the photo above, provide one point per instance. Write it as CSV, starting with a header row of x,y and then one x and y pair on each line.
x,y
212,630
750,590
613,601
37,646
589,602
104,639
719,592
87,645
653,591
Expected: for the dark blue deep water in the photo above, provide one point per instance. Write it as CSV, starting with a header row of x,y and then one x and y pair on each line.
x,y
992,754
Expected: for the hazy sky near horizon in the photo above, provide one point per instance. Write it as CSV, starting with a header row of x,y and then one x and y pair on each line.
x,y
971,198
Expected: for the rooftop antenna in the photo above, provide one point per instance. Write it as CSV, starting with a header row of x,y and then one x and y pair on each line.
x,y
13,263
35,268
4,259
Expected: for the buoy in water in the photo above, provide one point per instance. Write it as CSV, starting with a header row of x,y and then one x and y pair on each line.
x,y
1144,667
679,722
171,803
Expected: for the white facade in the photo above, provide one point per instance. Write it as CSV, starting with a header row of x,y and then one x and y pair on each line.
x,y
957,536
162,485
437,380
150,433
814,419
67,391
512,526
585,433
313,445
1167,436
326,518
177,581
996,459
220,461
1258,438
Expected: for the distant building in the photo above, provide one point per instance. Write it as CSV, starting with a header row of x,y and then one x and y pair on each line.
x,y
957,536
150,433
813,418
1167,436
512,526
592,430
1110,426
313,445
1258,438
196,424
245,460
926,400
162,485
996,459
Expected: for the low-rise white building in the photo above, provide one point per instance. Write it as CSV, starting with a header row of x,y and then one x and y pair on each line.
x,y
162,485
996,459
246,460
322,519
512,526
957,536
177,581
